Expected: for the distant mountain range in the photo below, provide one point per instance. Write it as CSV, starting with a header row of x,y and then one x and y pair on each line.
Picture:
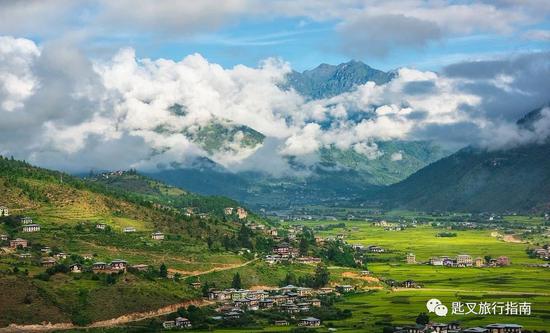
x,y
475,179
340,175
403,174
337,175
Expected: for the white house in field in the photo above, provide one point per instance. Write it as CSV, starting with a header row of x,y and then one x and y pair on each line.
x,y
31,228
26,220
157,235
129,229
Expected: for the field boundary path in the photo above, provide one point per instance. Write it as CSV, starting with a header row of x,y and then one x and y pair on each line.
x,y
124,319
187,274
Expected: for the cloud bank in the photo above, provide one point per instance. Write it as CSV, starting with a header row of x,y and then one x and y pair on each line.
x,y
60,109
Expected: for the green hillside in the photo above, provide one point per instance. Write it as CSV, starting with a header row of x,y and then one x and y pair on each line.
x,y
161,194
68,210
478,180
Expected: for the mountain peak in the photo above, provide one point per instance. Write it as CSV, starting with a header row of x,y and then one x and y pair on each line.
x,y
327,80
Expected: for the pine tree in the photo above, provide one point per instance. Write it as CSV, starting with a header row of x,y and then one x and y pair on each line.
x,y
163,271
236,283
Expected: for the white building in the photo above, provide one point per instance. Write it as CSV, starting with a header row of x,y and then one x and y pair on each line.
x,y
157,235
31,228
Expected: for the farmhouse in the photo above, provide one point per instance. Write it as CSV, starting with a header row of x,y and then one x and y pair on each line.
x,y
47,262
464,260
266,303
344,288
228,210
232,315
282,249
241,213
273,259
4,211
475,330
308,260
99,266
18,242
129,229
101,226
503,261
3,237
289,308
118,265
75,268
280,323
182,322
157,235
140,267
504,328
411,258
310,322
436,261
24,255
375,249
26,220
60,255
169,324
31,228
479,262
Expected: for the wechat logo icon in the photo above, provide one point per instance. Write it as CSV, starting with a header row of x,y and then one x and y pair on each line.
x,y
435,305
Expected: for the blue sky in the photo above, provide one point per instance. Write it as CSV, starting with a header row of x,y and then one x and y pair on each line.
x,y
306,45
383,34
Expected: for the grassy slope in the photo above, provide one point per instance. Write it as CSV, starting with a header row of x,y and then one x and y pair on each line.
x,y
67,212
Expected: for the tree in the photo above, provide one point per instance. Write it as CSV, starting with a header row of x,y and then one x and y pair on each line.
x,y
236,283
304,246
322,276
423,318
290,278
163,271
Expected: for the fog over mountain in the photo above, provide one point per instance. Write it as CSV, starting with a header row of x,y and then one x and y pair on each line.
x,y
64,110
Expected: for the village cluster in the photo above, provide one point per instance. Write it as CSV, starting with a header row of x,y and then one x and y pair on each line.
x,y
462,260
290,300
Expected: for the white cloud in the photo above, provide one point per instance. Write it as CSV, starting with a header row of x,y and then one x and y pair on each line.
x,y
68,107
17,81
396,156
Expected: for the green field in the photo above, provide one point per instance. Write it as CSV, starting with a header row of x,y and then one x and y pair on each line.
x,y
518,282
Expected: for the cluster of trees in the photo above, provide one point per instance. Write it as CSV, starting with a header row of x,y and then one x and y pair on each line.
x,y
340,254
319,279
446,234
245,238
